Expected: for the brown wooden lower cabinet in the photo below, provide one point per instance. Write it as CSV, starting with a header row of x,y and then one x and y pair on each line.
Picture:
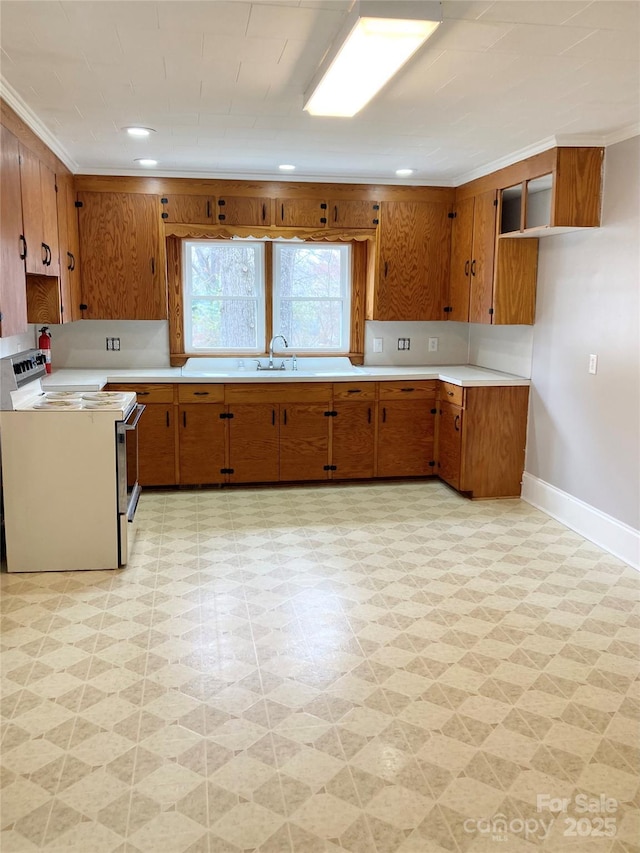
x,y
353,440
309,432
304,441
254,433
405,438
481,444
157,445
201,441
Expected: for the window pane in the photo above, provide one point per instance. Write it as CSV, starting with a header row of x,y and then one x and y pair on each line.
x,y
223,270
226,324
310,271
312,324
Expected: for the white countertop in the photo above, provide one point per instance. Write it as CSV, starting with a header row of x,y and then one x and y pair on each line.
x,y
94,379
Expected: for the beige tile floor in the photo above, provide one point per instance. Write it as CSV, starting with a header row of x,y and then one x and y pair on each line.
x,y
372,669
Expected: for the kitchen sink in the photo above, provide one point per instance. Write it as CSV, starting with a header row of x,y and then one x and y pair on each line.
x,y
245,368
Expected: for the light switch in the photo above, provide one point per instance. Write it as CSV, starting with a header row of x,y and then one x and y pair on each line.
x,y
593,363
377,344
433,345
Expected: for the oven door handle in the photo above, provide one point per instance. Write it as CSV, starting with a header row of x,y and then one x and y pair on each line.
x,y
133,502
137,413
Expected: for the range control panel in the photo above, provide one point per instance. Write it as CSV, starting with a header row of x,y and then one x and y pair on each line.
x,y
17,370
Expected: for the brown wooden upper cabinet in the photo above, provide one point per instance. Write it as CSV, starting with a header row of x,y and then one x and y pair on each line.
x,y
13,295
411,274
244,210
301,212
188,209
350,213
473,239
122,254
39,215
563,199
70,294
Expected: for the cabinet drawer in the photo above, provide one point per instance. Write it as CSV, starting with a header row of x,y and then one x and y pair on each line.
x,y
272,392
354,391
160,393
452,393
201,393
408,390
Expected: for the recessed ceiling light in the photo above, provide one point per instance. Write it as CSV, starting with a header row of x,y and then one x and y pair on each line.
x,y
404,173
143,161
286,167
139,131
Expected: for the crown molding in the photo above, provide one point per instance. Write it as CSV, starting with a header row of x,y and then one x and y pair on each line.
x,y
561,140
13,99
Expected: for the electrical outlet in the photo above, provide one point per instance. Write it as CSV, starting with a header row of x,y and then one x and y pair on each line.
x,y
377,344
404,343
593,363
113,344
433,345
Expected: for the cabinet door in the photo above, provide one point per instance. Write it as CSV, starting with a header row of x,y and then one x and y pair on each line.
x,y
514,286
253,443
157,446
13,294
238,210
68,243
122,274
189,209
32,214
412,273
301,212
304,442
202,444
353,440
460,275
449,443
482,259
353,214
405,438
50,219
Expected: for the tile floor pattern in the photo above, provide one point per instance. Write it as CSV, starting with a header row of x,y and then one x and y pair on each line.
x,y
371,669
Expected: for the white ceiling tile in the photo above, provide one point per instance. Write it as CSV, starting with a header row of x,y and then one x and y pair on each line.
x,y
609,15
534,40
461,10
249,49
133,14
608,44
467,35
221,19
318,24
534,11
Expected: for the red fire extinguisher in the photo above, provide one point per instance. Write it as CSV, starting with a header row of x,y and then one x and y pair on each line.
x,y
44,343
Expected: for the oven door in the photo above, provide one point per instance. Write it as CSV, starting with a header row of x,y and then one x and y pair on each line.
x,y
127,478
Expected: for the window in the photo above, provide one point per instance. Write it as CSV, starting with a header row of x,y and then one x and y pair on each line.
x,y
224,296
311,290
226,301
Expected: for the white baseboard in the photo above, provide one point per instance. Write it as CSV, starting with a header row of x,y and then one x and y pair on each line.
x,y
619,539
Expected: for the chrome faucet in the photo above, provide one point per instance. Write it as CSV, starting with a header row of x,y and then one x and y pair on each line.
x,y
270,366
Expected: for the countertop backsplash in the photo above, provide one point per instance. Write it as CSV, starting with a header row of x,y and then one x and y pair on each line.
x,y
143,343
453,343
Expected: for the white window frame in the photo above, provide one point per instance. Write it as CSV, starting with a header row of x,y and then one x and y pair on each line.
x,y
259,298
344,299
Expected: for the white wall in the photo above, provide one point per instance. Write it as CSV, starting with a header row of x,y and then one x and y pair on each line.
x,y
18,343
143,343
506,348
584,430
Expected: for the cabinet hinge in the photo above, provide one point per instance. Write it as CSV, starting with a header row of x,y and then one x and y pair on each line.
x,y
495,202
164,215
323,220
434,411
330,468
221,217
323,205
330,414
447,309
221,202
227,470
164,201
376,207
83,307
452,215
376,221
226,416
432,464
490,310
79,203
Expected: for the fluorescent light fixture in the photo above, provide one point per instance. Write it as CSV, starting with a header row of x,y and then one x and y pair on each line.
x,y
139,131
377,40
144,161
286,167
404,173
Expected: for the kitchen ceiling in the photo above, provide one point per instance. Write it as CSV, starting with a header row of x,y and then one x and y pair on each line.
x,y
222,83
